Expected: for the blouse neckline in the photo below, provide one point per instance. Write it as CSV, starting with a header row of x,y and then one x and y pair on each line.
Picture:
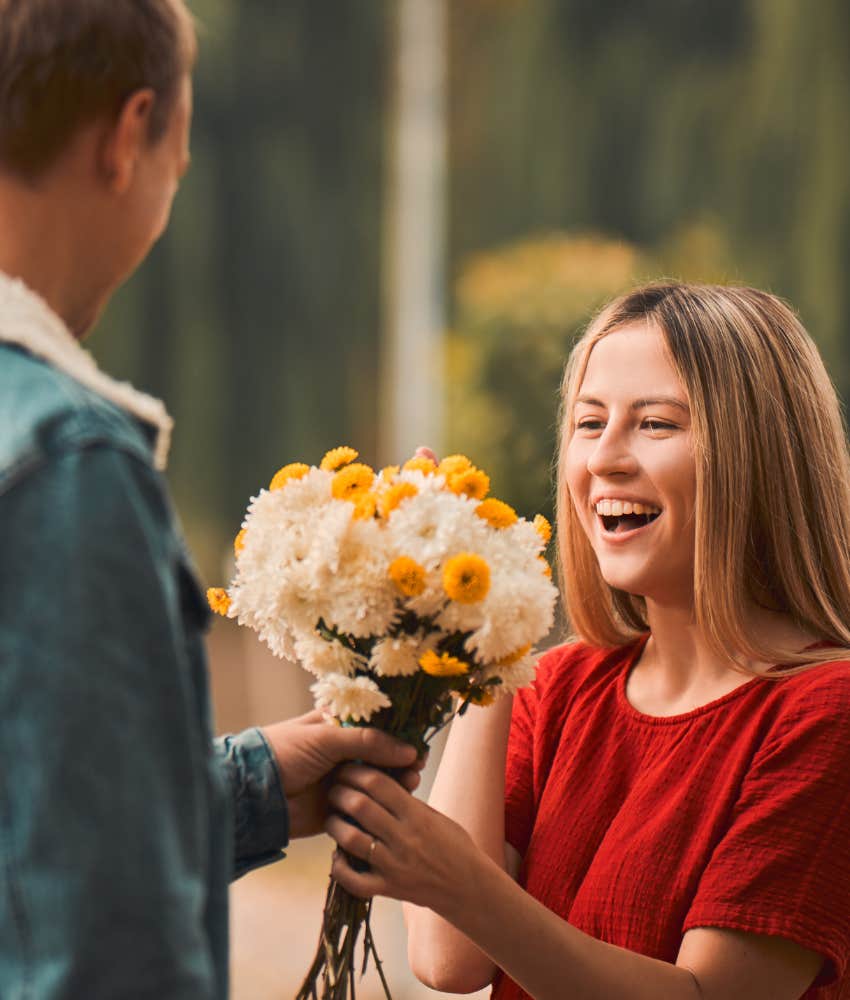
x,y
670,720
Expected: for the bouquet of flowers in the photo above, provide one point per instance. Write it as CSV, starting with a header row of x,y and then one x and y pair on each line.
x,y
409,594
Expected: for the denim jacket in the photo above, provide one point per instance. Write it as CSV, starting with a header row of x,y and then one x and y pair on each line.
x,y
121,819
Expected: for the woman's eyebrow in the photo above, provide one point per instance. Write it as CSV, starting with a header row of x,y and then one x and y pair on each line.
x,y
640,404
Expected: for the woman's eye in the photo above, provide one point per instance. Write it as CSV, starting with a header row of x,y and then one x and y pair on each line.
x,y
590,424
658,425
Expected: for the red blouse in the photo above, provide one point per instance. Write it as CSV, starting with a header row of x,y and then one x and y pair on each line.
x,y
636,828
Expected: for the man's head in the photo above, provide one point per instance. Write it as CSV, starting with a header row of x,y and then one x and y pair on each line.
x,y
67,63
95,109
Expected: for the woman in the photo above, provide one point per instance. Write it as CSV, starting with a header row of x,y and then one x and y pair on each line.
x,y
675,820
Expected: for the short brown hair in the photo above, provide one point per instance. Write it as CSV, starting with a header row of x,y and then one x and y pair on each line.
x,y
65,63
772,470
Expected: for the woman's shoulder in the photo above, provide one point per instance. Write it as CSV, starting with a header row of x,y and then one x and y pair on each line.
x,y
823,688
567,668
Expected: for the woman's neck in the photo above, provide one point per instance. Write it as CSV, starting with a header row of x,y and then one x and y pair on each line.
x,y
680,669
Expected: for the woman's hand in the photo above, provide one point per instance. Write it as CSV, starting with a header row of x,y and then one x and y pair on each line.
x,y
414,852
307,749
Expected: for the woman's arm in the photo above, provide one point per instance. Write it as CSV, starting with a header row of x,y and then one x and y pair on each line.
x,y
469,788
428,859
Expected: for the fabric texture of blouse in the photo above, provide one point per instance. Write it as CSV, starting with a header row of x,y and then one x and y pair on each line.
x,y
636,828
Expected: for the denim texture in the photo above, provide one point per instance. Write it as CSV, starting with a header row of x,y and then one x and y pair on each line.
x,y
121,819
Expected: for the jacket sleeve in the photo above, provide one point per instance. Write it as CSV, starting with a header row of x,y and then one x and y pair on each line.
x,y
107,769
262,819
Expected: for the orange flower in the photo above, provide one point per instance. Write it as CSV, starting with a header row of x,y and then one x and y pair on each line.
x,y
351,481
408,576
421,463
543,528
472,483
466,578
337,457
442,664
218,600
295,470
496,513
393,495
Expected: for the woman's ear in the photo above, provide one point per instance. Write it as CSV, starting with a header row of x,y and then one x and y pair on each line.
x,y
126,140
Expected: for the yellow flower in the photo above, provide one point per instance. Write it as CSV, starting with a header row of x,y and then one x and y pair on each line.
x,y
421,463
393,495
218,600
466,578
472,482
295,470
543,528
351,481
496,513
388,473
365,505
337,457
547,569
452,464
483,698
408,576
442,664
239,541
515,656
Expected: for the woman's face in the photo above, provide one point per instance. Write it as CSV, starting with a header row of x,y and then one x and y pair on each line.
x,y
630,466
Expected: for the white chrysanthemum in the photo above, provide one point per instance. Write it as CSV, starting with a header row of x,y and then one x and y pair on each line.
x,y
425,484
359,598
519,607
349,698
434,525
514,676
291,548
322,656
399,657
304,495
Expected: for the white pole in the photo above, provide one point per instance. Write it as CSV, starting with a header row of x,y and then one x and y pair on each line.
x,y
414,248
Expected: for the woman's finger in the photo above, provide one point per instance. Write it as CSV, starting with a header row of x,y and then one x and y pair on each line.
x,y
385,790
374,819
423,451
409,780
351,838
361,884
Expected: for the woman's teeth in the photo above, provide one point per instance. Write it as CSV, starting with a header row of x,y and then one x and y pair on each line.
x,y
616,508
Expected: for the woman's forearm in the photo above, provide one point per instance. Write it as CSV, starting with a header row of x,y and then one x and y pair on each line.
x,y
548,957
469,788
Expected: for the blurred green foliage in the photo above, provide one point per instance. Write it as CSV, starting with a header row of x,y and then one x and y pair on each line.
x,y
693,139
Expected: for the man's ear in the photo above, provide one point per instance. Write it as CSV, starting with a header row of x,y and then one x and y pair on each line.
x,y
126,139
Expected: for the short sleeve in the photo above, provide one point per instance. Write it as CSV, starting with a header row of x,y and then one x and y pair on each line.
x,y
783,866
519,768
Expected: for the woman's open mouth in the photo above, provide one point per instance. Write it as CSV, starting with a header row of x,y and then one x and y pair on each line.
x,y
621,516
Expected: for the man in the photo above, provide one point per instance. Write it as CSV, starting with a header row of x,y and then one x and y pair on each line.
x,y
121,821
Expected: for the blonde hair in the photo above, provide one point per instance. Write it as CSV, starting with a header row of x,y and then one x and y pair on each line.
x,y
772,513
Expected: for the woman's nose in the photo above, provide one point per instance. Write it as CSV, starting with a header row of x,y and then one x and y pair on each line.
x,y
611,455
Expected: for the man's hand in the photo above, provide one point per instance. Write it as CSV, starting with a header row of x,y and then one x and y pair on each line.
x,y
308,748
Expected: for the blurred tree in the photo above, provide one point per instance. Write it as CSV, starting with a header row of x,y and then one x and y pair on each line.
x,y
711,136
257,318
518,311
645,117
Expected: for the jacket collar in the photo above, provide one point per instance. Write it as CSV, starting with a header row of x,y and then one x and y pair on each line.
x,y
27,320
